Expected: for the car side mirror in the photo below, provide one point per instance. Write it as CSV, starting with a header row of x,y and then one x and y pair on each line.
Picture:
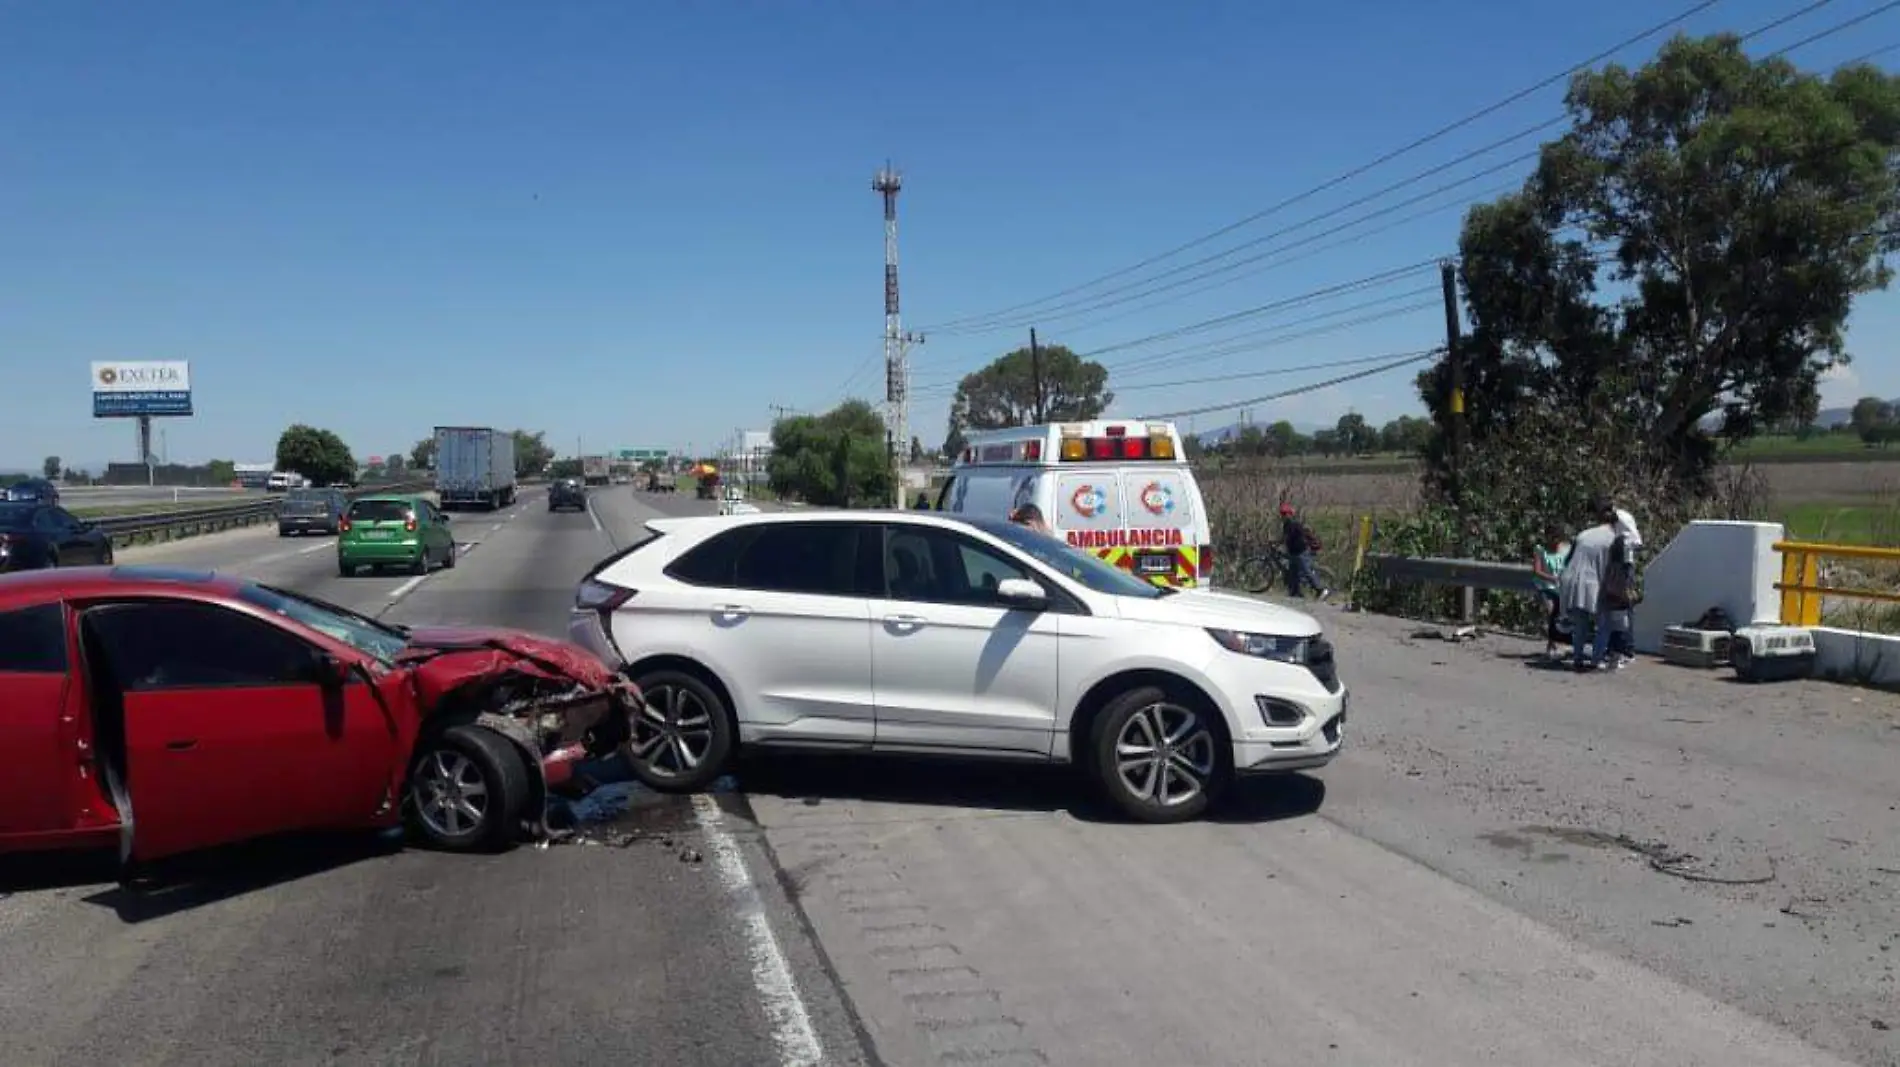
x,y
1021,592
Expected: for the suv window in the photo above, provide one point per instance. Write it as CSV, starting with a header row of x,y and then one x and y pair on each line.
x,y
801,557
33,640
929,565
173,645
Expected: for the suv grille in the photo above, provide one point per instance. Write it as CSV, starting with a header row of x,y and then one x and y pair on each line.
x,y
1319,660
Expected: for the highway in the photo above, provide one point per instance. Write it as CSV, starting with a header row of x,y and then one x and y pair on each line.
x,y
1508,866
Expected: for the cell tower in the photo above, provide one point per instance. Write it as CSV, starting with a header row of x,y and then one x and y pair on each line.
x,y
886,184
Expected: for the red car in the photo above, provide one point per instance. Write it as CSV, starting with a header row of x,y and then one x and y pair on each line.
x,y
163,711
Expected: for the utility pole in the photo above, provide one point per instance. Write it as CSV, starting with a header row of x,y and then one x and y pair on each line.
x,y
1035,369
886,183
779,411
1455,416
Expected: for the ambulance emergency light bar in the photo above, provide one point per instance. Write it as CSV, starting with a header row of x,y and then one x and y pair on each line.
x,y
1112,445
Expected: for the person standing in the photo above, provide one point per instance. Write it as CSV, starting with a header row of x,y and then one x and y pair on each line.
x,y
1547,562
1623,640
1300,544
1580,586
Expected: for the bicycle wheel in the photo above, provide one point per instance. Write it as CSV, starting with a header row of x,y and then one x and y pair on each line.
x,y
1260,573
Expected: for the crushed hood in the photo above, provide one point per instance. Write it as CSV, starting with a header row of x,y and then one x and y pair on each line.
x,y
446,658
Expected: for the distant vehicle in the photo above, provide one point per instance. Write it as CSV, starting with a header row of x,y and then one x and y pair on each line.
x,y
223,710
393,531
34,536
914,632
706,479
312,511
474,466
567,493
661,482
594,470
283,482
32,491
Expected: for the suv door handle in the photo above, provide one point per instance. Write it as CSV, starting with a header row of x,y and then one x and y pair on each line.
x,y
904,622
737,611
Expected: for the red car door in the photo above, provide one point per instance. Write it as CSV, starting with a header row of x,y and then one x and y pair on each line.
x,y
38,767
229,733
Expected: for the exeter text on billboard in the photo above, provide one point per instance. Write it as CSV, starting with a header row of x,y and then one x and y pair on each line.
x,y
122,390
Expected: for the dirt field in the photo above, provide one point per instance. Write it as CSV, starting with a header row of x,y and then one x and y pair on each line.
x,y
1384,489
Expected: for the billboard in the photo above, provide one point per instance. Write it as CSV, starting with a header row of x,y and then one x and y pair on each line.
x,y
121,390
642,455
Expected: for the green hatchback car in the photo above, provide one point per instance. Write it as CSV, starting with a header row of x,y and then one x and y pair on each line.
x,y
393,531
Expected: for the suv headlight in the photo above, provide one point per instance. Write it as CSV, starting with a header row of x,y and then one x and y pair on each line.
x,y
1265,646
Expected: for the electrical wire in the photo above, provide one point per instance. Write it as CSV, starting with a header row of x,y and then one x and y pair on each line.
x,y
1838,27
1275,372
1363,168
1401,361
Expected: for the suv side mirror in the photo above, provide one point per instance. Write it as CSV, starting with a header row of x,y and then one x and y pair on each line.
x,y
1021,592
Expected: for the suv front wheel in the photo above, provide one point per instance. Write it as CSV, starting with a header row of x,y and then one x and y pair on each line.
x,y
1160,758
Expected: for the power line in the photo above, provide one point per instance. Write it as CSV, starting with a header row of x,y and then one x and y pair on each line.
x,y
1056,311
1832,30
1332,364
1341,179
1400,361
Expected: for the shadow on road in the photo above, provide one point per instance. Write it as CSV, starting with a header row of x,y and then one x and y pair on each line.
x,y
1000,787
195,880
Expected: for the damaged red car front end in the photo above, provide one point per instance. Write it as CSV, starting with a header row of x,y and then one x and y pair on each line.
x,y
162,711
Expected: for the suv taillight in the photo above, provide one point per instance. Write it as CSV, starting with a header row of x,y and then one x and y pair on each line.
x,y
604,597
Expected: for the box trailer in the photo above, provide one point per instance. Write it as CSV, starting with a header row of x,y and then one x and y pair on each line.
x,y
474,467
595,470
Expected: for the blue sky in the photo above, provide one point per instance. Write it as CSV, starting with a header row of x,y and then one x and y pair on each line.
x,y
643,223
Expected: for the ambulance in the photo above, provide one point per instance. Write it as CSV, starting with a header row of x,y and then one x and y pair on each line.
x,y
1120,489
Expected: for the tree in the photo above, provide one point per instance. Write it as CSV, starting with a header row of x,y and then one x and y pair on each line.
x,y
221,471
319,455
837,459
953,444
916,450
1745,204
1405,434
394,463
422,455
1869,416
1003,394
532,453
50,467
565,468
1354,434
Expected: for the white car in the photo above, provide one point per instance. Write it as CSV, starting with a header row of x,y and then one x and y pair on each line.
x,y
916,632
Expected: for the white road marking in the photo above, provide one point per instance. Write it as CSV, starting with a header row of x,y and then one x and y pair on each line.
x,y
495,527
771,976
598,528
403,590
314,548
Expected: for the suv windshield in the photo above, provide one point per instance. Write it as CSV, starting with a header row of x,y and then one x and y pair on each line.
x,y
1073,563
358,631
380,511
17,517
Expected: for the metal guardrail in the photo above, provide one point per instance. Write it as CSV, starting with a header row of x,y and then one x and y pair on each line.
x,y
190,522
1801,585
1465,573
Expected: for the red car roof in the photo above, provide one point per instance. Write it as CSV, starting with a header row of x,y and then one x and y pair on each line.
x,y
60,583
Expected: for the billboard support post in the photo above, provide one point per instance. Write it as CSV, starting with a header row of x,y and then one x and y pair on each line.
x,y
145,447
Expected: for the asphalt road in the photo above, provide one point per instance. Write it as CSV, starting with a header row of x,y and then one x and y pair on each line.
x,y
1508,866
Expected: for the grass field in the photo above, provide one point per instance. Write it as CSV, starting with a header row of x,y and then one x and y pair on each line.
x,y
1876,525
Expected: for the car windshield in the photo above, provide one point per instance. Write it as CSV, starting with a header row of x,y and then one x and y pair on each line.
x,y
1073,563
15,517
26,491
360,632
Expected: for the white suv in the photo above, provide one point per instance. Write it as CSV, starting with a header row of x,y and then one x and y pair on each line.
x,y
915,632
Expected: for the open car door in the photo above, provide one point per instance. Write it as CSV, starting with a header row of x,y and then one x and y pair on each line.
x,y
228,732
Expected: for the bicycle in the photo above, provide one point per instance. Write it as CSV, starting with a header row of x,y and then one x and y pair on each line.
x,y
1261,571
